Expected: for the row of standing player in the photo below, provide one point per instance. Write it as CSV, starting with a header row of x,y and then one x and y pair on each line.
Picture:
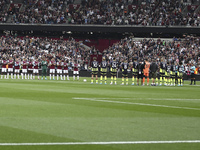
x,y
140,70
30,68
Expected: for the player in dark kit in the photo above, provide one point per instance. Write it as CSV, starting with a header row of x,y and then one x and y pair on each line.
x,y
180,74
30,69
65,69
134,70
113,70
94,70
153,70
167,73
124,68
103,66
173,74
162,71
140,72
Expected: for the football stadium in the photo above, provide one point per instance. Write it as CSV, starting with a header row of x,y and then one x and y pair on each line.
x,y
99,74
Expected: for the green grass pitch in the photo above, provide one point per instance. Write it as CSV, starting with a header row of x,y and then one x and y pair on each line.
x,y
74,114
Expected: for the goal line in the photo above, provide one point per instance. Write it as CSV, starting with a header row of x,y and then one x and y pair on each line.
x,y
101,143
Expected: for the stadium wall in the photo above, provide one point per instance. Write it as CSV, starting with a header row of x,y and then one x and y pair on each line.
x,y
101,28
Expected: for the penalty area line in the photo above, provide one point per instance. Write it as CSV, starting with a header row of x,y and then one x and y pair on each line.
x,y
100,143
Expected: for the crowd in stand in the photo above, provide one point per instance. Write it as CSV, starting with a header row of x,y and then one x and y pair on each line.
x,y
186,50
41,11
115,12
109,12
32,48
3,11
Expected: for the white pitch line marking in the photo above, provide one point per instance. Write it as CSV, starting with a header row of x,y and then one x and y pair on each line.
x,y
142,104
100,143
170,99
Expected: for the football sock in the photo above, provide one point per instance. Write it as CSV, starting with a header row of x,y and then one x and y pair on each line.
x,y
115,80
14,76
18,76
147,80
74,77
28,76
61,77
53,76
64,77
111,79
67,77
126,80
160,79
143,80
22,75
77,77
8,75
101,78
174,81
105,78
31,76
169,81
25,75
57,77
164,80
194,81
96,80
133,79
179,80
50,76
156,80
91,80
11,75
122,80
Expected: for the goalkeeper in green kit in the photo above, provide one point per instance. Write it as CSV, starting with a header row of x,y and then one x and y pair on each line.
x,y
44,68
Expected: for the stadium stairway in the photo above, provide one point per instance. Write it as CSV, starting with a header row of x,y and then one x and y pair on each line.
x,y
77,2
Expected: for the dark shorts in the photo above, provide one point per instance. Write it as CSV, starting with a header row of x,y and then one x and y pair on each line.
x,y
180,75
173,75
192,75
113,72
135,74
94,72
124,74
140,75
153,74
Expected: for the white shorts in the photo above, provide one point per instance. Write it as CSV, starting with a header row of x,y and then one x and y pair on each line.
x,y
52,71
65,71
59,71
17,71
24,70
10,69
4,70
35,71
75,72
